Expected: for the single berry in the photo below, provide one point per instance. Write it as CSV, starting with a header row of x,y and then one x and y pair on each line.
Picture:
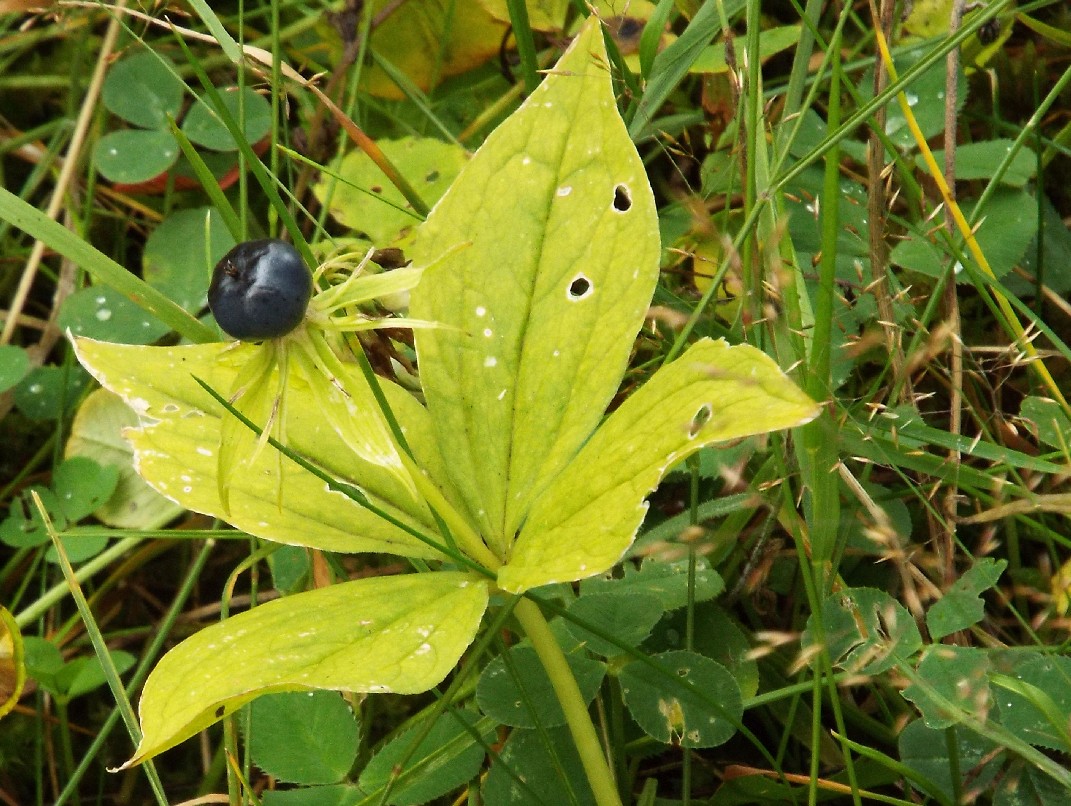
x,y
260,290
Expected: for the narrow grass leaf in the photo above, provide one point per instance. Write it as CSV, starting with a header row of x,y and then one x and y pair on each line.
x,y
38,225
673,63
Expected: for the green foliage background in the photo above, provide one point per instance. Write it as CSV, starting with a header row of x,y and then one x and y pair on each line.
x,y
871,606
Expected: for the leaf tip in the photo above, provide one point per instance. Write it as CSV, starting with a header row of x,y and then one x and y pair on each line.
x,y
139,757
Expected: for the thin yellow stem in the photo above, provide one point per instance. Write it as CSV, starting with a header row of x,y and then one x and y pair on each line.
x,y
965,230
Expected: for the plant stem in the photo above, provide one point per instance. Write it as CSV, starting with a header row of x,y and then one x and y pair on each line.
x,y
576,711
61,590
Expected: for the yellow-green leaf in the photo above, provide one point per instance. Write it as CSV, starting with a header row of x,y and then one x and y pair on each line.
x,y
97,434
542,303
543,15
12,662
363,199
585,521
551,15
175,451
429,40
400,634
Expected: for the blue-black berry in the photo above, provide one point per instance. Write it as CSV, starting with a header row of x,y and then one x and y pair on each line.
x,y
260,290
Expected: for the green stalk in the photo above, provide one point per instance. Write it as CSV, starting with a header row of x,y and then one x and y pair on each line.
x,y
64,719
460,528
148,656
522,34
576,711
818,453
111,674
85,571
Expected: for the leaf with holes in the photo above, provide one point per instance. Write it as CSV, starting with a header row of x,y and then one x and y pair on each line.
x,y
556,259
866,631
400,634
541,304
587,518
540,262
688,699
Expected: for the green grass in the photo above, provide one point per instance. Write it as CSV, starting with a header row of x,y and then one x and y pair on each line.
x,y
882,589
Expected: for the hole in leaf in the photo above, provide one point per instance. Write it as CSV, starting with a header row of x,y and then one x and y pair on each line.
x,y
622,199
580,287
699,420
